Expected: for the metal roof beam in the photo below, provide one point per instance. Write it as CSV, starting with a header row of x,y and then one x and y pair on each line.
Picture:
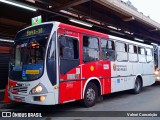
x,y
71,4
48,2
119,7
128,19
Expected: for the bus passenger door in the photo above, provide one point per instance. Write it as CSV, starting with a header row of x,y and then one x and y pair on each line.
x,y
69,65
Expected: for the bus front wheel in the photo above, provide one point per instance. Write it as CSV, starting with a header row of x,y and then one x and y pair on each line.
x,y
90,95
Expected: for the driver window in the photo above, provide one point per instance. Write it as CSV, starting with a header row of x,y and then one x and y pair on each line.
x,y
36,53
68,47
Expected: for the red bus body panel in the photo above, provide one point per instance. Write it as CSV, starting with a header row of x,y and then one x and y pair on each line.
x,y
72,89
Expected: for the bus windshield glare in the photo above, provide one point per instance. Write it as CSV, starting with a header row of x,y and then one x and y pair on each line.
x,y
28,53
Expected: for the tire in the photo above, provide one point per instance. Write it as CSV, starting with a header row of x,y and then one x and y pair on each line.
x,y
90,95
137,86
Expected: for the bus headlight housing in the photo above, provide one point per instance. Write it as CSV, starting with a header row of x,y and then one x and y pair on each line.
x,y
39,89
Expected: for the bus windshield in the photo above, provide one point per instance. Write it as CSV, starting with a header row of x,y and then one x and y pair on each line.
x,y
28,53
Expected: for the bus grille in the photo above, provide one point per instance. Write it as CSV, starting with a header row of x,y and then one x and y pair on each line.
x,y
21,89
20,99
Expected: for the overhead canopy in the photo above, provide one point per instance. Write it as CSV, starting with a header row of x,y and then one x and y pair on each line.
x,y
108,16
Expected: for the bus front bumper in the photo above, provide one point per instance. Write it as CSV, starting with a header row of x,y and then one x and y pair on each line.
x,y
41,99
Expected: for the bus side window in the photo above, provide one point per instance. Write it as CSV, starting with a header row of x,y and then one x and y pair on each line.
x,y
108,49
141,54
90,49
135,49
122,54
132,52
149,54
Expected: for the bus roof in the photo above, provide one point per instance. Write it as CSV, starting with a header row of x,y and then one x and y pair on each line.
x,y
129,41
83,30
90,32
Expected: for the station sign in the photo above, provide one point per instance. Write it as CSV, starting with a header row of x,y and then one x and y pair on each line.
x,y
36,20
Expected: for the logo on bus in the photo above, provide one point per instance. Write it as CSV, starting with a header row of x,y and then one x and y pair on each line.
x,y
92,68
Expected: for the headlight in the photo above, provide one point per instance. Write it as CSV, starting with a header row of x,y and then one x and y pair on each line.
x,y
156,72
39,89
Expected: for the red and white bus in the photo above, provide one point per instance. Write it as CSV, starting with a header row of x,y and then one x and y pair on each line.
x,y
54,63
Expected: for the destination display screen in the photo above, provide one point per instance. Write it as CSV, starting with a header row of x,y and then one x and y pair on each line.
x,y
35,30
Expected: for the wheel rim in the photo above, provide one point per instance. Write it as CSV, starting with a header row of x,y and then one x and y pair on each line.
x,y
90,95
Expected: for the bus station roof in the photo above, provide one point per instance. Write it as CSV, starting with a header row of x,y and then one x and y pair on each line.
x,y
113,17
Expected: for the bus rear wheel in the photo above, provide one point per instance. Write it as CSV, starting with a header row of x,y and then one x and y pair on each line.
x,y
90,95
137,86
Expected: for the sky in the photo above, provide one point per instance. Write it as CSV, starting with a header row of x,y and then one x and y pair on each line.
x,y
149,8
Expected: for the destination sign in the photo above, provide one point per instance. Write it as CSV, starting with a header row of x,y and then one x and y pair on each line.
x,y
35,31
